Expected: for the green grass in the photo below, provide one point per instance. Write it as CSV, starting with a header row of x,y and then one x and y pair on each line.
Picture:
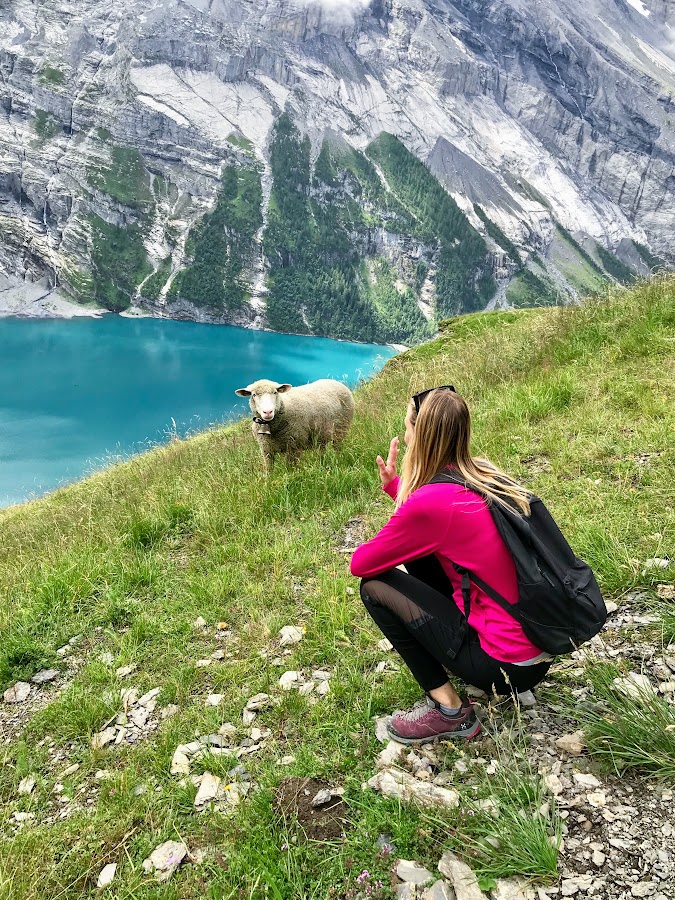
x,y
124,178
52,76
569,399
46,126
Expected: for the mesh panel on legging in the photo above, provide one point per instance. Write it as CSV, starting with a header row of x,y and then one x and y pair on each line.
x,y
423,649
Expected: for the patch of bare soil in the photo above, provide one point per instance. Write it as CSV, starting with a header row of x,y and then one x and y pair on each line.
x,y
298,799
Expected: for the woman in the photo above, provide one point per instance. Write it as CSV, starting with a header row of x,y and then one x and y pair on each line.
x,y
434,526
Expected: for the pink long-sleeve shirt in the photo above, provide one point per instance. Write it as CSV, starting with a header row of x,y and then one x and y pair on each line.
x,y
456,526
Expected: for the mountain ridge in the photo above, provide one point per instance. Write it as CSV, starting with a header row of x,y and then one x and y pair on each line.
x,y
120,125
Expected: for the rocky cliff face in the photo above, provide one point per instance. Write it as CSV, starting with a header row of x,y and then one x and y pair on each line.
x,y
551,125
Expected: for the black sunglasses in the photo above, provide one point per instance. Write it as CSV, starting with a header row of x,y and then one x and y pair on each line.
x,y
419,397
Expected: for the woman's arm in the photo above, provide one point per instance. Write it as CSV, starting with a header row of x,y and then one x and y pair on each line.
x,y
416,529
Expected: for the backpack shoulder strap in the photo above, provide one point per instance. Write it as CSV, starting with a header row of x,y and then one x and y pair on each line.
x,y
467,575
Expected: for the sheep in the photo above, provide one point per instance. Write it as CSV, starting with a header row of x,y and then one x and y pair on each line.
x,y
289,419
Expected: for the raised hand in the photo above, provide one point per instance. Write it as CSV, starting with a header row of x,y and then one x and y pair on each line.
x,y
388,468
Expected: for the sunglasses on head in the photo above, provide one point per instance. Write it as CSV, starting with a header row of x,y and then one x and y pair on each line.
x,y
419,397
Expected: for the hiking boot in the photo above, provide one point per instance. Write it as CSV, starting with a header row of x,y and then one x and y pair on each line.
x,y
425,722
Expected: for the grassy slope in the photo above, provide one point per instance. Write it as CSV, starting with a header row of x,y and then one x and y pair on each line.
x,y
569,399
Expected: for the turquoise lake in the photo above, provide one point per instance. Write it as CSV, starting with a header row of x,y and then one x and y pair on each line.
x,y
78,394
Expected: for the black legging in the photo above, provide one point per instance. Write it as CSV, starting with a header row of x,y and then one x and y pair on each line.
x,y
431,647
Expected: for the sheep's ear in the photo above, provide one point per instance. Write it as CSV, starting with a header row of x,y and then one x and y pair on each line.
x,y
243,392
283,388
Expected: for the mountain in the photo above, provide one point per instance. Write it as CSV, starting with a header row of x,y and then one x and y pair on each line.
x,y
350,168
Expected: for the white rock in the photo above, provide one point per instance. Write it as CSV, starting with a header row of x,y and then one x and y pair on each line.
x,y
180,763
289,634
597,799
44,676
321,675
146,698
208,790
203,663
461,877
218,654
165,859
405,787
573,744
100,740
214,699
611,606
569,888
381,731
408,870
325,795
657,563
390,754
513,889
644,888
288,680
598,858
199,622
306,688
248,716
106,875
553,783
440,890
18,693
70,770
287,760
585,779
323,688
227,729
27,784
258,701
22,816
385,645
635,686
123,671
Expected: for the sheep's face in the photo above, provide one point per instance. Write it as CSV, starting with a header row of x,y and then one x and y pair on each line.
x,y
264,398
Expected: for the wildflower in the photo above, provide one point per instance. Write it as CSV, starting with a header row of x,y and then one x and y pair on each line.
x,y
364,876
284,846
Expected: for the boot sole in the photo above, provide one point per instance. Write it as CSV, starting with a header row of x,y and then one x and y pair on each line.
x,y
457,735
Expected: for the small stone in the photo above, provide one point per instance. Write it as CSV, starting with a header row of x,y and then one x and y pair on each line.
x,y
70,770
390,754
569,888
203,663
218,654
106,875
208,790
248,716
27,784
180,763
44,676
289,634
461,876
554,784
100,740
288,680
634,686
323,688
227,729
325,795
123,671
644,888
385,645
258,701
287,760
381,731
597,799
321,675
63,651
22,816
657,563
18,693
585,779
611,606
405,787
666,591
440,890
598,859
512,889
410,871
305,689
146,698
573,744
527,699
165,859
214,699
199,622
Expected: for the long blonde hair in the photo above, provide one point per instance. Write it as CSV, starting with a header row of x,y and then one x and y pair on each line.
x,y
441,437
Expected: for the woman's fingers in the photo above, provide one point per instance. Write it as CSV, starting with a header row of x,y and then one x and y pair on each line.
x,y
393,452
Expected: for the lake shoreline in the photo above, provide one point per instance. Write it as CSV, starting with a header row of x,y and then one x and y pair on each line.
x,y
36,300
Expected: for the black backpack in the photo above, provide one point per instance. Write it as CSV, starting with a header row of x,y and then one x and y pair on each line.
x,y
559,602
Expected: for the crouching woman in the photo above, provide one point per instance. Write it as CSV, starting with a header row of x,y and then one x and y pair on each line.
x,y
421,610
